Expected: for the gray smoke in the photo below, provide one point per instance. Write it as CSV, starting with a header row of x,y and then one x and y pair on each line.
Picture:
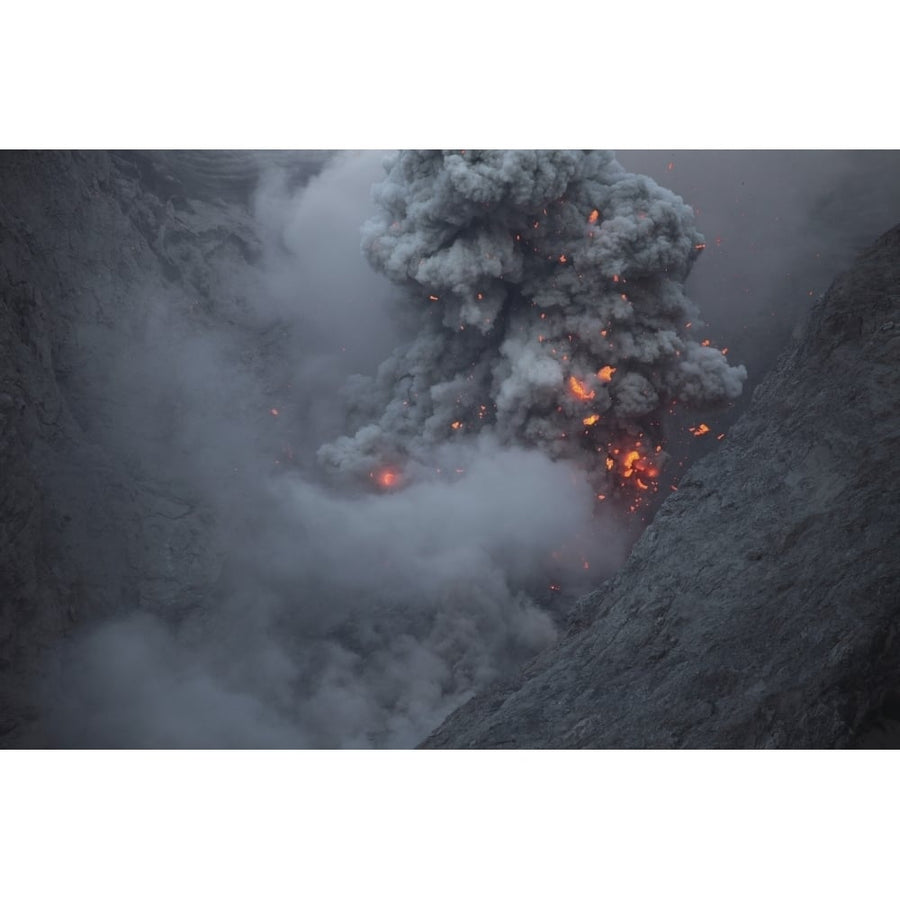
x,y
548,288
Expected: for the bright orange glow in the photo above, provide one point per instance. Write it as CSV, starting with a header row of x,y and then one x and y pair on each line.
x,y
615,279
456,425
387,478
606,373
603,333
631,457
563,258
641,484
609,463
579,390
704,343
591,420
702,428
595,214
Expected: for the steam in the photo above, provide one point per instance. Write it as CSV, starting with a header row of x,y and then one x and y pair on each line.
x,y
547,287
300,601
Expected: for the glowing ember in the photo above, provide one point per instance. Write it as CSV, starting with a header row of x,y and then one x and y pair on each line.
x,y
563,258
274,412
387,478
610,462
606,373
704,343
456,425
702,428
433,297
699,246
595,214
579,389
631,457
591,420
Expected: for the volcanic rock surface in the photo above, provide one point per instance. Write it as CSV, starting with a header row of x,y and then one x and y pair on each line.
x,y
94,519
761,607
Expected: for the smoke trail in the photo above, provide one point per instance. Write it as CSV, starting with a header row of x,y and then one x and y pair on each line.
x,y
548,291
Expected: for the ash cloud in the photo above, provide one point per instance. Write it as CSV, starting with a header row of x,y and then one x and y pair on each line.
x,y
326,609
548,288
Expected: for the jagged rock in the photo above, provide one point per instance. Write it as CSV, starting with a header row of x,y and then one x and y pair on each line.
x,y
761,608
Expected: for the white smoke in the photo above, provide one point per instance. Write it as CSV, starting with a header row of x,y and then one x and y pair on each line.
x,y
547,287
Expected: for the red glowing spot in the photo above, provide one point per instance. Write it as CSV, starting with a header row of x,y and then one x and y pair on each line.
x,y
479,296
563,258
595,214
615,279
433,297
579,389
603,333
724,351
456,425
601,496
688,324
387,478
704,343
555,587
274,412
697,430
720,436
699,246
606,373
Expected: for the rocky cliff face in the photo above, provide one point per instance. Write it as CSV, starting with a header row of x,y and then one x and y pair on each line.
x,y
761,608
95,514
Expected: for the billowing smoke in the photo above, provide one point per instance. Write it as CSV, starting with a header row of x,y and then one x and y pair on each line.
x,y
548,291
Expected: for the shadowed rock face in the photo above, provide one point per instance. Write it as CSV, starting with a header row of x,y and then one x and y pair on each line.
x,y
762,606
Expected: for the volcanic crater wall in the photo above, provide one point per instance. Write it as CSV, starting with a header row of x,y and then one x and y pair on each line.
x,y
761,607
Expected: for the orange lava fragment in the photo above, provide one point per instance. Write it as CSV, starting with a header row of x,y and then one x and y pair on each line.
x,y
606,373
479,296
699,246
387,478
704,343
702,428
720,436
579,390
456,425
563,258
433,297
609,463
591,420
601,496
595,214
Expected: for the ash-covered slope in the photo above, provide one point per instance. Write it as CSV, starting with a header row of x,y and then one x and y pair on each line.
x,y
761,607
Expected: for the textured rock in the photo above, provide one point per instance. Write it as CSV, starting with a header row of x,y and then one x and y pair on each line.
x,y
761,608
93,246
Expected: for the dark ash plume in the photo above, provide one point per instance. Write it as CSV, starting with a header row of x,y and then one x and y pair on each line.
x,y
548,292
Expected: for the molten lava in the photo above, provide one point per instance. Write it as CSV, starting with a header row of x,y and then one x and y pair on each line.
x,y
387,478
606,374
595,214
702,428
579,389
591,420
